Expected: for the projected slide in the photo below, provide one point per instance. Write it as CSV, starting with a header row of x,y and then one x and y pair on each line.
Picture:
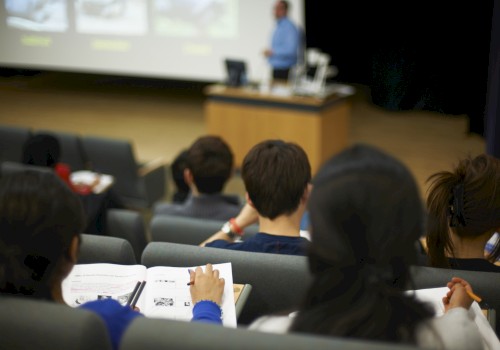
x,y
37,15
177,39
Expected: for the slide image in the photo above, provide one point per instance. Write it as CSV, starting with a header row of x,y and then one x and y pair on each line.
x,y
195,18
116,17
37,15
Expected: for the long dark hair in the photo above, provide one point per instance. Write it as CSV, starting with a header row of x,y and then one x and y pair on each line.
x,y
39,216
366,214
465,200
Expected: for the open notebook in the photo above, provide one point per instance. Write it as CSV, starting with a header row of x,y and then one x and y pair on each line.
x,y
165,295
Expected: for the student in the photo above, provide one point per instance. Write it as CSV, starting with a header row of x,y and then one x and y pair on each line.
x,y
464,213
40,222
366,214
208,167
276,175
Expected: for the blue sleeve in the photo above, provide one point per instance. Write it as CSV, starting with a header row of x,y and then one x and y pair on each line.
x,y
207,311
116,317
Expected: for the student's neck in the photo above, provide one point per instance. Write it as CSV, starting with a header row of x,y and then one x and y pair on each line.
x,y
469,248
283,225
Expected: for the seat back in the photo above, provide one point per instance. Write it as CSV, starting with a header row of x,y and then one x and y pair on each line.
x,y
136,187
129,225
114,157
278,281
485,284
104,249
187,230
36,324
12,139
160,334
71,149
10,168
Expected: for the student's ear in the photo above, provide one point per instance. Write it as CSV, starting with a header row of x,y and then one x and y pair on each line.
x,y
74,249
249,201
307,192
188,177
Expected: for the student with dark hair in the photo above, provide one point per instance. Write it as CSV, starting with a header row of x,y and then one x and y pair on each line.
x,y
177,170
464,213
44,150
208,167
40,224
276,175
366,214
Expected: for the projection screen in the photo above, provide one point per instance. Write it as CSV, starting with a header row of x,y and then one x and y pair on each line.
x,y
175,39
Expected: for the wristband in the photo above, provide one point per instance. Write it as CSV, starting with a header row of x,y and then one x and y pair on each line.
x,y
235,226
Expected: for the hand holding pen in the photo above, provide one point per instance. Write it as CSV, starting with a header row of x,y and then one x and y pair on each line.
x,y
459,295
206,285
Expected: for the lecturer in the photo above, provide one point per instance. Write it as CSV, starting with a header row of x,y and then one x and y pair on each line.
x,y
284,44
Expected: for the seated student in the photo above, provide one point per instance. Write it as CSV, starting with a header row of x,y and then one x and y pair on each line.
x,y
44,150
276,175
464,213
40,222
209,164
366,213
177,170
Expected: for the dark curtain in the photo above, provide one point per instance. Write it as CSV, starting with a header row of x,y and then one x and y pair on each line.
x,y
492,106
413,55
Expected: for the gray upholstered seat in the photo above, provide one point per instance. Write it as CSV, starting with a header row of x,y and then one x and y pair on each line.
x,y
187,230
129,225
8,168
278,281
160,334
12,139
36,324
104,249
137,186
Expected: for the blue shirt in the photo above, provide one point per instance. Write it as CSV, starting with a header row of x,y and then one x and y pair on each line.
x,y
285,44
116,317
266,243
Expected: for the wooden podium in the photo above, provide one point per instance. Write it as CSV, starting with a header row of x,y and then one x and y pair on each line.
x,y
244,116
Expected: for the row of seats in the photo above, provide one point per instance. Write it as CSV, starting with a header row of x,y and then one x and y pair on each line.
x,y
138,185
278,281
55,326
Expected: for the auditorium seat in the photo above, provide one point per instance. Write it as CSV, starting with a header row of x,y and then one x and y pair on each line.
x,y
37,324
278,281
160,334
129,225
137,185
12,139
187,230
104,249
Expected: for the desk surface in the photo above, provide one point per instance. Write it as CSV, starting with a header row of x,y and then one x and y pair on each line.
x,y
281,94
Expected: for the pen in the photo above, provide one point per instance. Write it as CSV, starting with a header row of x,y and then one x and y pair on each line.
x,y
190,283
473,296
138,294
131,296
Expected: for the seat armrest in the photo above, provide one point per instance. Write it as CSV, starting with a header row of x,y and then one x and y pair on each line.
x,y
146,168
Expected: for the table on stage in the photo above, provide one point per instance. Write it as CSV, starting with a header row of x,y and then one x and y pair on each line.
x,y
245,116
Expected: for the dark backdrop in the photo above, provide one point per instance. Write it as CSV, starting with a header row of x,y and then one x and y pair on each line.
x,y
413,55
